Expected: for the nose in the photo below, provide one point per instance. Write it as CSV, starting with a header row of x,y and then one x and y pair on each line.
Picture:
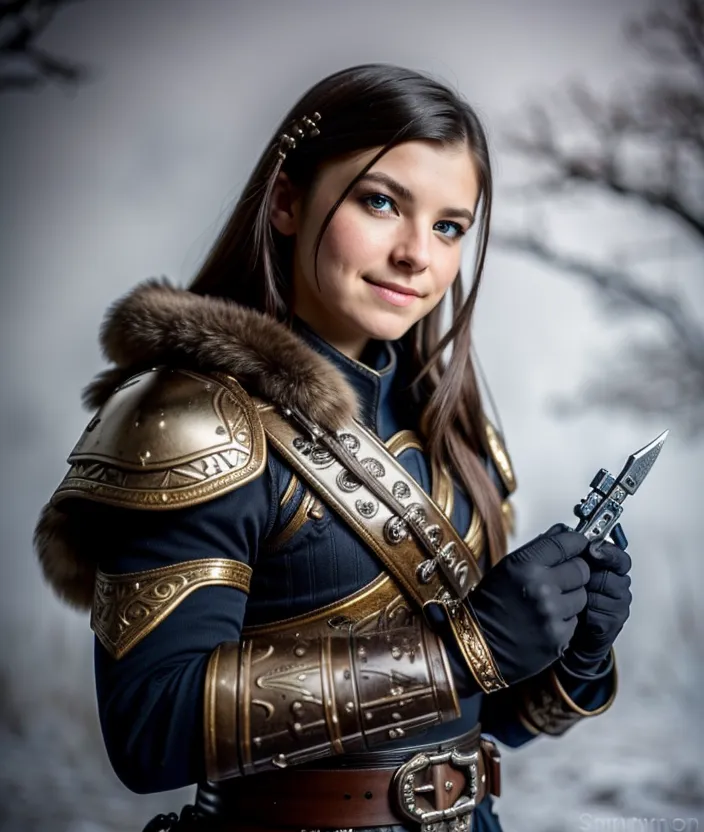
x,y
411,252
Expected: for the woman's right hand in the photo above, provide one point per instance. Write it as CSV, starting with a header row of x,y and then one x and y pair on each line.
x,y
527,604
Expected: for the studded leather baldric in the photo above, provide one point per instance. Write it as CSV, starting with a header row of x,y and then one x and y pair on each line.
x,y
360,479
355,473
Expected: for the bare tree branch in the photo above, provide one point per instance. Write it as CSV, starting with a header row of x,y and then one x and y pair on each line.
x,y
620,288
22,22
601,168
673,34
640,147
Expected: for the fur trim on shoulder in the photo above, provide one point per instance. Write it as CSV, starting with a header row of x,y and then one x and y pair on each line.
x,y
157,323
56,543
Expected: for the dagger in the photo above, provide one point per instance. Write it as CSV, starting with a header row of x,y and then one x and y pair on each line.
x,y
600,510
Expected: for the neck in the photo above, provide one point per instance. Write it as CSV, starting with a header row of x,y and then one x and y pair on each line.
x,y
350,344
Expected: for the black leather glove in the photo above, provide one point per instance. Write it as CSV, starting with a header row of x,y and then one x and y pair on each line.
x,y
527,604
608,607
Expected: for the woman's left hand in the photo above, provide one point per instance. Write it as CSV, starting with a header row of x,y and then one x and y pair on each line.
x,y
608,607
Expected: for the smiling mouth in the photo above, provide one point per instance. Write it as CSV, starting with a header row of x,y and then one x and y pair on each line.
x,y
394,287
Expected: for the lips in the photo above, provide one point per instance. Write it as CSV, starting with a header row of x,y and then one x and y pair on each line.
x,y
396,296
394,287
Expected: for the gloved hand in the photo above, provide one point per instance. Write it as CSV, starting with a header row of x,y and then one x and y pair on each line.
x,y
527,604
608,607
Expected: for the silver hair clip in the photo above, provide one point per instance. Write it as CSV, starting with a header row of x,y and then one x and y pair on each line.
x,y
300,129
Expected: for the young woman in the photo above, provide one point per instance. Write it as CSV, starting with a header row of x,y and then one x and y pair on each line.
x,y
289,512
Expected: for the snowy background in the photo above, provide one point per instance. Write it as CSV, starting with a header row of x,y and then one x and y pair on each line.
x,y
133,173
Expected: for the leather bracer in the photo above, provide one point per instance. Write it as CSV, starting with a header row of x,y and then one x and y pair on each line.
x,y
545,707
278,700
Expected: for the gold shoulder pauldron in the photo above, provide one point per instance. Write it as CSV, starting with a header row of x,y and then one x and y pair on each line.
x,y
166,439
500,457
126,608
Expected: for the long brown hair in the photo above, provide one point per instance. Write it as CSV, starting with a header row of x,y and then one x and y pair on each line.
x,y
375,105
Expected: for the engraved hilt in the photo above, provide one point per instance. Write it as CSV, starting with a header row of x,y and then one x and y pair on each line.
x,y
600,510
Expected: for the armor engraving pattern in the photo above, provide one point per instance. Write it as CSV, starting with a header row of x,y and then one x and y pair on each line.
x,y
299,699
547,708
167,439
475,650
377,607
126,608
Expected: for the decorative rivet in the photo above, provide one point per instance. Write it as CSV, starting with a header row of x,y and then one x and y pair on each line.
x,y
448,785
280,761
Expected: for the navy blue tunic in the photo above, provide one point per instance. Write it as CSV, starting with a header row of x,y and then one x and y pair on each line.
x,y
151,700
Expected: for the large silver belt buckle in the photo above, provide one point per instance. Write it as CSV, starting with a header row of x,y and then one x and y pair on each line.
x,y
418,801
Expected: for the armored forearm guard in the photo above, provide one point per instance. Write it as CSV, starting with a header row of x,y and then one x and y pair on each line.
x,y
280,700
545,707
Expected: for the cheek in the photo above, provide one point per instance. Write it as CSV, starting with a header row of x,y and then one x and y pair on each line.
x,y
348,244
447,268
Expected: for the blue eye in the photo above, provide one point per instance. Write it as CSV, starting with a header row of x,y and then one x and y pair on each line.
x,y
454,227
378,202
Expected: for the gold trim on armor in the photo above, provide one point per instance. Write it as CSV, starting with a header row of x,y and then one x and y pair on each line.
x,y
443,488
289,492
126,608
379,606
309,507
402,441
546,707
501,458
167,439
474,538
475,650
508,515
221,685
573,706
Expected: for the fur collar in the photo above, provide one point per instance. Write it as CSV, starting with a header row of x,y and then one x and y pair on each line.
x,y
157,323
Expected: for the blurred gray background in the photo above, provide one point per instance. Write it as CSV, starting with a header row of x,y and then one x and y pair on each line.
x,y
590,326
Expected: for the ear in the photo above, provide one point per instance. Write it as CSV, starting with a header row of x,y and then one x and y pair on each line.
x,y
284,206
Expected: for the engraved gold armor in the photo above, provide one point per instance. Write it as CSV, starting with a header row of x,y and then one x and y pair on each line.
x,y
283,699
167,439
546,707
127,607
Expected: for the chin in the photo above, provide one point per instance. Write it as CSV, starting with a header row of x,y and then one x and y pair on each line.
x,y
386,327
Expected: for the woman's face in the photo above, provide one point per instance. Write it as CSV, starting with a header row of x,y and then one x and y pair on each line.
x,y
392,248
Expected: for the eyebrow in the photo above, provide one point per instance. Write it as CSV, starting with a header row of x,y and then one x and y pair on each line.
x,y
403,193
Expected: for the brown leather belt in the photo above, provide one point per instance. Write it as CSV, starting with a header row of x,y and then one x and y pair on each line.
x,y
431,782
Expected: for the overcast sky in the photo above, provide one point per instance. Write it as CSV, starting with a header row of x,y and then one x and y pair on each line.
x,y
132,175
